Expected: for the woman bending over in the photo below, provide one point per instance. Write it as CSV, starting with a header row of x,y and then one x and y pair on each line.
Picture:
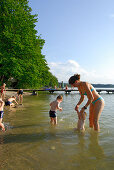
x,y
95,101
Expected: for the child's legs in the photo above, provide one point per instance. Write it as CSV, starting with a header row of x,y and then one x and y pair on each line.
x,y
55,120
51,120
91,115
80,124
99,106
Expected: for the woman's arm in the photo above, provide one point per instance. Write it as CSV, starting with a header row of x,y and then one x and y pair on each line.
x,y
80,101
89,95
15,101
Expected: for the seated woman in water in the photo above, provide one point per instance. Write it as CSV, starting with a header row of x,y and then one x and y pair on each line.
x,y
9,102
95,101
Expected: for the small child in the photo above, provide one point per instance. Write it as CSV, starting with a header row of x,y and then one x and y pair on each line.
x,y
54,107
1,114
81,121
10,100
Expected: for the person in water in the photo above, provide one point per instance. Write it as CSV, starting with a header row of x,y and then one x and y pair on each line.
x,y
81,121
3,91
10,101
1,114
20,96
95,101
54,107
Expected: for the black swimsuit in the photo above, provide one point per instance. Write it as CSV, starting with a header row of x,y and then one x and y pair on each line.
x,y
52,114
1,114
20,92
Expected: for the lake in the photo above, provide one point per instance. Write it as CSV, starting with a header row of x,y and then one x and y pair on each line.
x,y
31,143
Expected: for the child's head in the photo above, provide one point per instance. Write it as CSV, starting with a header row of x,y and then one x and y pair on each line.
x,y
60,98
4,84
14,97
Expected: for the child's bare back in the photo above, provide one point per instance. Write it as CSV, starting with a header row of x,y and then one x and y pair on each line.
x,y
81,121
54,106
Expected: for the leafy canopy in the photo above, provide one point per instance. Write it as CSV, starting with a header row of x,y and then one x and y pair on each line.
x,y
20,47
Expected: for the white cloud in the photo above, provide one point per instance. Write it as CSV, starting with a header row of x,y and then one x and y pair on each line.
x,y
111,15
63,71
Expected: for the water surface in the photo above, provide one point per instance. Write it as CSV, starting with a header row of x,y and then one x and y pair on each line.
x,y
31,143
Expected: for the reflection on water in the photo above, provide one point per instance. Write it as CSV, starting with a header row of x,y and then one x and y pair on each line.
x,y
30,142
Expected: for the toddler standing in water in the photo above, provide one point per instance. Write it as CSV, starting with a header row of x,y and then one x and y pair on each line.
x,y
54,107
81,121
1,114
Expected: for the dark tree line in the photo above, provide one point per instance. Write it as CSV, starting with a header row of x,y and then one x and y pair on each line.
x,y
20,47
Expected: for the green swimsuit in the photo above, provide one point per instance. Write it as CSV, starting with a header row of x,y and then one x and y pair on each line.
x,y
99,98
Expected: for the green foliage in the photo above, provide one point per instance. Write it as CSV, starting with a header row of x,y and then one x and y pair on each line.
x,y
20,47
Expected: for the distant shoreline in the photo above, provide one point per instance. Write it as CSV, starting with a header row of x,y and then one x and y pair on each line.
x,y
97,85
103,85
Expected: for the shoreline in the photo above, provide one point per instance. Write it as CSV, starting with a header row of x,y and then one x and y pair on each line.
x,y
13,93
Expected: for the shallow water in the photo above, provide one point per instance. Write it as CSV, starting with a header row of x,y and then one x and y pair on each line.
x,y
31,143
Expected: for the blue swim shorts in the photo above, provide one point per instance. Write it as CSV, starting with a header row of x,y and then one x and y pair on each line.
x,y
7,103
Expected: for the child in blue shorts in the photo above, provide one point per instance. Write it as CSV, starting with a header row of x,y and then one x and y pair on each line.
x,y
1,114
54,107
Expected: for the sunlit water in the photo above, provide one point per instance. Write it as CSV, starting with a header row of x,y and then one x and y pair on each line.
x,y
31,143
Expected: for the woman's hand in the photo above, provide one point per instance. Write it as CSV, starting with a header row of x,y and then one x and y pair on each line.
x,y
77,107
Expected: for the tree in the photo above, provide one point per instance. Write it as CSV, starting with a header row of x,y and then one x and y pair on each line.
x,y
20,47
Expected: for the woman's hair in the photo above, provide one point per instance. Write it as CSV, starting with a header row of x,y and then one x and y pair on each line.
x,y
59,97
72,79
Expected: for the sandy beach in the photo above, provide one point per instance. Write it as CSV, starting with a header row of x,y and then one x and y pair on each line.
x,y
13,93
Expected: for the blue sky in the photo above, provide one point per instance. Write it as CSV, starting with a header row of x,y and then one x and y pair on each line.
x,y
79,37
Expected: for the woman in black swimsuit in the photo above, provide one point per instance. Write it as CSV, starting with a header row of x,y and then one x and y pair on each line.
x,y
20,96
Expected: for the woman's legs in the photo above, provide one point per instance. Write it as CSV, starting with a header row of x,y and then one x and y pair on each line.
x,y
99,106
21,99
2,125
94,114
91,116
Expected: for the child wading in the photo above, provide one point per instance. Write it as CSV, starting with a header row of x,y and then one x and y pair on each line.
x,y
54,107
81,121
